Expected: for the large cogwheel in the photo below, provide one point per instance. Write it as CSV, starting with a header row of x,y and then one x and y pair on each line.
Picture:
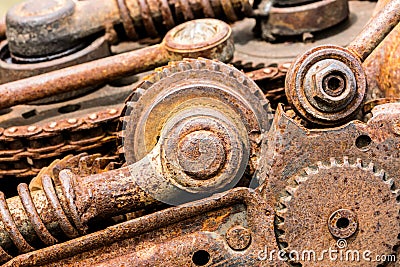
x,y
208,116
339,215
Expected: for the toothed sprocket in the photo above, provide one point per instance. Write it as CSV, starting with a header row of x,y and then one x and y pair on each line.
x,y
343,207
201,83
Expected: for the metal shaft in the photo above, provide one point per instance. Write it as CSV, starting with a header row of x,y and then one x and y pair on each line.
x,y
214,45
376,30
81,76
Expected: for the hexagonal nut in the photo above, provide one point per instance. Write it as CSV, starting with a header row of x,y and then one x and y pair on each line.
x,y
332,86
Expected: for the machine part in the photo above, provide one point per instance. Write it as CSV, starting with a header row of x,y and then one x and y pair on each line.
x,y
326,85
286,49
188,235
287,140
41,148
55,26
231,129
380,25
342,200
301,18
27,149
382,74
81,164
204,120
370,105
381,66
12,71
212,41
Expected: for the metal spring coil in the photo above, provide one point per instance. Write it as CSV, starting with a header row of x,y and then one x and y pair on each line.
x,y
34,218
171,13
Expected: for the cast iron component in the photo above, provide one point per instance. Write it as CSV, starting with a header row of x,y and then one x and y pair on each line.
x,y
207,38
339,201
298,18
10,70
95,129
231,128
327,85
51,27
189,235
206,119
381,67
378,139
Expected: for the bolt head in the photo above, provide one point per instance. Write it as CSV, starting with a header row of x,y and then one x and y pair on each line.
x,y
238,237
201,154
331,85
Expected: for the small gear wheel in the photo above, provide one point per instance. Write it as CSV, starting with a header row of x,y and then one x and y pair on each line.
x,y
338,215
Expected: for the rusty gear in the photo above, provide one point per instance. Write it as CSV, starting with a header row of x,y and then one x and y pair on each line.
x,y
206,119
137,119
341,206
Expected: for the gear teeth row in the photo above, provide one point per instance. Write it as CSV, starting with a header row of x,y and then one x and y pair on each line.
x,y
281,209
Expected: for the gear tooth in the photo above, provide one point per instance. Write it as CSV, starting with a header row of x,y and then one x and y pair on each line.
x,y
283,239
396,192
358,163
310,171
145,85
371,167
389,182
302,179
333,162
346,162
281,212
198,64
166,72
291,190
380,174
181,66
286,200
280,226
321,165
215,66
241,79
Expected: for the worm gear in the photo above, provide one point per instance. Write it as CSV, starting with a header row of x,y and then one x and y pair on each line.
x,y
345,208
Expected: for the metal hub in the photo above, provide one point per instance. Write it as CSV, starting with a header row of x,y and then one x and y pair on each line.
x,y
330,203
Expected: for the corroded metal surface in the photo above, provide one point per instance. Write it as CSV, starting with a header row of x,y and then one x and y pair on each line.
x,y
197,128
226,135
377,139
45,146
53,27
301,18
380,25
103,70
188,235
364,206
11,70
382,65
42,143
326,85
